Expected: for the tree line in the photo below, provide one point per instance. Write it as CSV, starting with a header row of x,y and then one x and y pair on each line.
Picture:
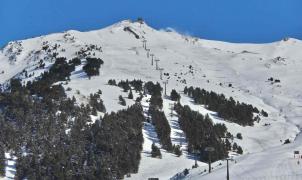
x,y
201,133
53,137
240,113
126,85
158,117
92,66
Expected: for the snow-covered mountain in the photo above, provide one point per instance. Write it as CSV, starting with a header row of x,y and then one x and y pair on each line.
x,y
241,71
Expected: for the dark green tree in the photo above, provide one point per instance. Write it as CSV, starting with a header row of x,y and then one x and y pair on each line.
x,y
155,151
186,90
264,113
177,151
235,146
239,135
228,145
112,82
92,66
239,150
122,100
130,95
174,95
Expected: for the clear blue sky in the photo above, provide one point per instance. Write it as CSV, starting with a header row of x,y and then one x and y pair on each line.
x,y
227,20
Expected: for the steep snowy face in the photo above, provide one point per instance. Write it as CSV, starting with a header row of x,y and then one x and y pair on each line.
x,y
265,75
184,61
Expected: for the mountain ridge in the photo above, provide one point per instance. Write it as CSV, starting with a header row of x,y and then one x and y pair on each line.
x,y
168,29
241,71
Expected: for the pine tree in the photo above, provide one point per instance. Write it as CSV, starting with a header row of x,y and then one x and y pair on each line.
x,y
264,113
186,171
174,95
130,95
155,153
239,135
287,141
156,102
94,112
177,150
239,150
112,82
235,146
186,90
228,145
122,101
92,67
76,61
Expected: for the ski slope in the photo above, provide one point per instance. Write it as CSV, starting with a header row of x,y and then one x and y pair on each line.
x,y
189,61
154,167
274,163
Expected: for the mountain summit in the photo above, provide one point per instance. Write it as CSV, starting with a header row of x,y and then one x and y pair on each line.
x,y
112,69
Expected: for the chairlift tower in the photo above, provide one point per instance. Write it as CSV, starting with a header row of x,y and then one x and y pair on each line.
x,y
156,62
228,174
161,73
145,44
148,52
152,56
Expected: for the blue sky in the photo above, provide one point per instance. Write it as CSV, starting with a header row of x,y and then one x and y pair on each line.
x,y
226,20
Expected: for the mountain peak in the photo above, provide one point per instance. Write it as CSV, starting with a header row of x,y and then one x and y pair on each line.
x,y
130,23
133,50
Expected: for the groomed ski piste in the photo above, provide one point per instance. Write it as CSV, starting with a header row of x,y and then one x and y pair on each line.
x,y
154,167
190,61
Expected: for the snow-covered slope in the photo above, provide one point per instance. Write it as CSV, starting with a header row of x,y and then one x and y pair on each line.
x,y
211,65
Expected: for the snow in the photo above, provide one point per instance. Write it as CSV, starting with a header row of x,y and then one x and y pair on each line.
x,y
246,66
177,135
154,167
274,163
10,169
